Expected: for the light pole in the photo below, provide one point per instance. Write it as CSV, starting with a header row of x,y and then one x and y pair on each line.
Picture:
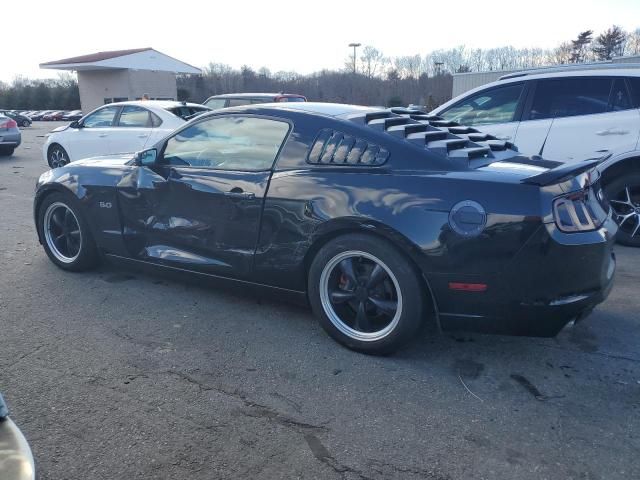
x,y
355,46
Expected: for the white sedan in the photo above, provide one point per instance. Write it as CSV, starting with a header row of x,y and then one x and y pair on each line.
x,y
122,127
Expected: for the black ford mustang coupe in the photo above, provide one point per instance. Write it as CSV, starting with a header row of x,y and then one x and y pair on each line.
x,y
381,218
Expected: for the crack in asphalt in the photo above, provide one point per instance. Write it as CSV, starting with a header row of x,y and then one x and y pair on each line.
x,y
256,410
24,355
322,454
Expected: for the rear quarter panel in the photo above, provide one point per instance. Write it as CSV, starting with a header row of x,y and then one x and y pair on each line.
x,y
411,209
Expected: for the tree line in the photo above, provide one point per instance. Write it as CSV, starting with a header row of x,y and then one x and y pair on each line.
x,y
49,94
373,79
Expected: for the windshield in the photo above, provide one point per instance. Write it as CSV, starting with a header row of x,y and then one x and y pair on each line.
x,y
292,99
185,111
215,103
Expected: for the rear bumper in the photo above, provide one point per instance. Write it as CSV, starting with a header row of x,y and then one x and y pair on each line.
x,y
10,139
554,279
16,460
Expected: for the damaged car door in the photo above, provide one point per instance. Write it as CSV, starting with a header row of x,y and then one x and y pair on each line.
x,y
198,204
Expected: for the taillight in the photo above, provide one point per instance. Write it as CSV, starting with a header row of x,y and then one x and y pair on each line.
x,y
9,124
578,212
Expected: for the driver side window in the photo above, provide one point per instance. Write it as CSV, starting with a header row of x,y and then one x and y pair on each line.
x,y
101,118
497,105
228,143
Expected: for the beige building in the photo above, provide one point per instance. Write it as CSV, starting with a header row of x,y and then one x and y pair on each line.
x,y
463,82
121,75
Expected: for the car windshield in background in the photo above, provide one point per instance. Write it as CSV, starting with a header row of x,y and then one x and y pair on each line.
x,y
215,103
185,111
292,99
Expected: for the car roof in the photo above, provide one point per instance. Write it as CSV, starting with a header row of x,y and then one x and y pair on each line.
x,y
156,103
527,75
561,73
319,108
254,95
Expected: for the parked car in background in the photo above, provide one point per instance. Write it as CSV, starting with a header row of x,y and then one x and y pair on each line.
x,y
72,115
21,120
53,116
16,459
569,114
382,219
237,99
115,128
38,115
10,136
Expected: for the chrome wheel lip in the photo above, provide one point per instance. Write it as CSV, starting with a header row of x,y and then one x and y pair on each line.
x,y
57,158
48,218
335,319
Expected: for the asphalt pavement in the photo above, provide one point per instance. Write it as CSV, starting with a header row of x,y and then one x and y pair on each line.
x,y
123,375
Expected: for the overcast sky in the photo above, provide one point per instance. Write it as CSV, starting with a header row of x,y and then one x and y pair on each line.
x,y
302,36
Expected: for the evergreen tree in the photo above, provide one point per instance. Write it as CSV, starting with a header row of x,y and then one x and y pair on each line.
x,y
609,44
580,45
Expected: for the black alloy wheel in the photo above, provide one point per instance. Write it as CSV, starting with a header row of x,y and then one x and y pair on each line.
x,y
366,294
65,234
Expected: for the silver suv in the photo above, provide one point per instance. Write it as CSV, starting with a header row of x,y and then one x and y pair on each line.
x,y
568,114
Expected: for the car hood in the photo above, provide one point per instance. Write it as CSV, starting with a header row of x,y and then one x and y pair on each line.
x,y
115,160
59,129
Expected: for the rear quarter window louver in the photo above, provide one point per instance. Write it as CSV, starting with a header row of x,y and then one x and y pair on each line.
x,y
464,145
336,148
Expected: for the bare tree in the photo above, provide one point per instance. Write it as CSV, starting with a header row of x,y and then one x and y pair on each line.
x,y
632,46
561,54
372,61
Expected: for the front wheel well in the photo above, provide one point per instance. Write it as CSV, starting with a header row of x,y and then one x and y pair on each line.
x,y
329,236
40,198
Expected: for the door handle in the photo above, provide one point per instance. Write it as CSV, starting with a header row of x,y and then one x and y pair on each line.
x,y
142,135
102,135
239,193
612,131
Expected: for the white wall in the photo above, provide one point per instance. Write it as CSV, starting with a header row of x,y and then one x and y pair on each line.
x,y
96,85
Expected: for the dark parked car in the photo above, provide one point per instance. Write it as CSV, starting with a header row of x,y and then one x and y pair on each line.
x,y
10,136
238,99
53,116
381,218
21,120
38,115
16,460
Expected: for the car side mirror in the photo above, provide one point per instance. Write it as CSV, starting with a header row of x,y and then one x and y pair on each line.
x,y
75,124
146,158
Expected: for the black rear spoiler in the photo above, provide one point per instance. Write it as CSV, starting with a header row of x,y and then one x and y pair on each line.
x,y
560,174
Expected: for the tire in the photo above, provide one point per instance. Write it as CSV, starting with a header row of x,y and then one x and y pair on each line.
x,y
6,151
366,294
623,193
57,156
25,123
59,218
